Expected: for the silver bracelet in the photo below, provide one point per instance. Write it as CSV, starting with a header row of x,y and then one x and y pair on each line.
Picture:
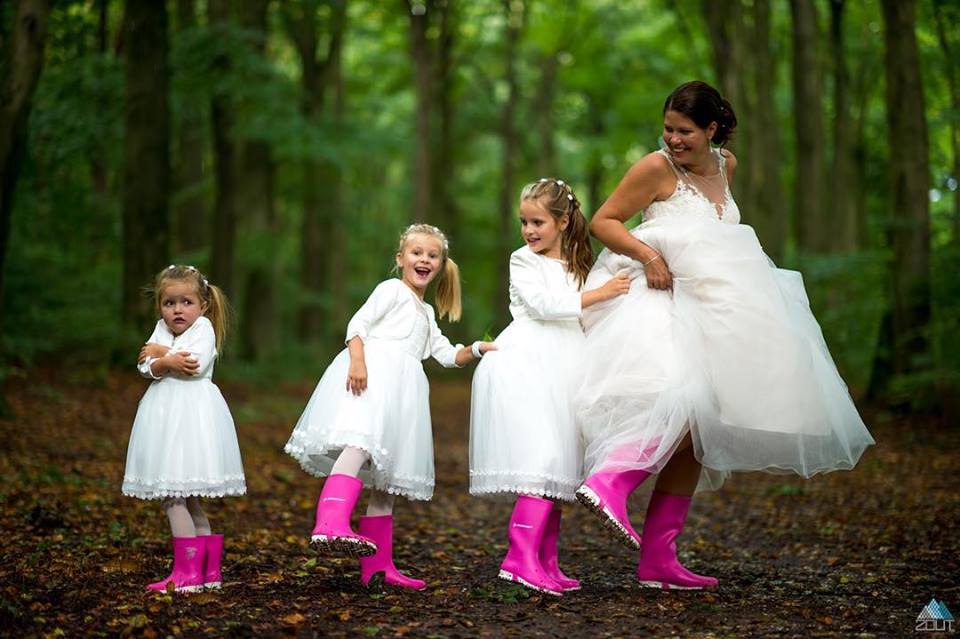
x,y
475,349
654,259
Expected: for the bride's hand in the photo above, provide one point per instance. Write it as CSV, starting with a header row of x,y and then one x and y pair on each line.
x,y
658,274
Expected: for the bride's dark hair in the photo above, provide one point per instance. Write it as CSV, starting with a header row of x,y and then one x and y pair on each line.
x,y
703,104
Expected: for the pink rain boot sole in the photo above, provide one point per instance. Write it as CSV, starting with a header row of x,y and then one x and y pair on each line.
x,y
593,503
340,545
663,585
509,576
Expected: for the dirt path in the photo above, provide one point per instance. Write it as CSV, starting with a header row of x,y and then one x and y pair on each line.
x,y
849,554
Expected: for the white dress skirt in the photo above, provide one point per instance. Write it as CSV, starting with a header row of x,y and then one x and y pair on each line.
x,y
183,442
390,420
733,355
523,437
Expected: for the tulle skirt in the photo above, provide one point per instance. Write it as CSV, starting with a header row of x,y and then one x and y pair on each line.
x,y
183,443
390,421
733,356
523,438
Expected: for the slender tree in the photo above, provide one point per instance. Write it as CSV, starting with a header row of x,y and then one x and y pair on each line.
x,y
419,11
908,349
190,215
946,14
842,182
23,60
510,143
301,21
812,222
226,160
146,162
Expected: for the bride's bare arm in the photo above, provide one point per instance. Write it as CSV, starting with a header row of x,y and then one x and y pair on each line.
x,y
649,179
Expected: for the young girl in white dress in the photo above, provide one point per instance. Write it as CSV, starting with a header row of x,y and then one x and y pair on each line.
x,y
368,421
523,439
713,360
184,445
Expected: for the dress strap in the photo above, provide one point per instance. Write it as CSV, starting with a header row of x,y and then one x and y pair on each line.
x,y
722,162
673,166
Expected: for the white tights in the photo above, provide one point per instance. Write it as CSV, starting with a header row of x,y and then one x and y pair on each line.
x,y
186,516
350,461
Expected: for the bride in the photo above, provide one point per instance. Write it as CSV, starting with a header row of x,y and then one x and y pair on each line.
x,y
713,361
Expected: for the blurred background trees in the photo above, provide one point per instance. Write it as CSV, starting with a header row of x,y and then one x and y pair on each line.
x,y
282,145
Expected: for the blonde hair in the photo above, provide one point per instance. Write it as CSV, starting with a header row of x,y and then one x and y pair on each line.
x,y
448,281
558,199
216,306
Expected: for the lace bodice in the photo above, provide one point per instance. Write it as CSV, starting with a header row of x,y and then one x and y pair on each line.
x,y
687,199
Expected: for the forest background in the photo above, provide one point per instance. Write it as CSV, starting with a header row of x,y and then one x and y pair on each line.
x,y
281,146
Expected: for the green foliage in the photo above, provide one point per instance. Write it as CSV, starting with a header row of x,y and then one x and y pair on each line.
x,y
615,63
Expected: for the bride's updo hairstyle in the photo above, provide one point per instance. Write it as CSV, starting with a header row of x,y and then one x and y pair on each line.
x,y
703,104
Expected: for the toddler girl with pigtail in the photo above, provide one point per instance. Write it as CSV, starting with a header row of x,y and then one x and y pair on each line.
x,y
368,421
183,445
523,439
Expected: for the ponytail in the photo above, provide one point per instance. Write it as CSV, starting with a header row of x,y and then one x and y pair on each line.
x,y
218,312
576,245
448,291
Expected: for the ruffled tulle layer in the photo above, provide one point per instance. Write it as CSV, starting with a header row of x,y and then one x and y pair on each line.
x,y
733,356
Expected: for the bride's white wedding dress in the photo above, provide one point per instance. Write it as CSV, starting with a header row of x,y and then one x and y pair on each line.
x,y
733,354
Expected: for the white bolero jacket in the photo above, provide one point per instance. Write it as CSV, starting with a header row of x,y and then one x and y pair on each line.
x,y
390,313
541,288
199,340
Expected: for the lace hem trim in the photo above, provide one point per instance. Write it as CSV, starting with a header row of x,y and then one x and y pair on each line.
x,y
164,488
412,487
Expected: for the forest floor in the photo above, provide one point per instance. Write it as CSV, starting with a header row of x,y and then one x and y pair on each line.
x,y
847,554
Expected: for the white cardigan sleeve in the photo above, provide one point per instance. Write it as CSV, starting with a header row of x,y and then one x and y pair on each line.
x,y
155,337
381,300
440,347
527,280
202,344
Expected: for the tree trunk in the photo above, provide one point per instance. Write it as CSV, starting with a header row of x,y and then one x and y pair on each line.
x,y
190,210
510,141
259,323
766,149
943,18
222,115
22,65
845,228
729,35
543,113
98,161
909,225
146,165
443,202
321,182
420,54
813,224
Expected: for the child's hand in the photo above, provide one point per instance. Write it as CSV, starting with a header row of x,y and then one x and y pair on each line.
x,y
152,350
619,285
181,363
357,377
486,347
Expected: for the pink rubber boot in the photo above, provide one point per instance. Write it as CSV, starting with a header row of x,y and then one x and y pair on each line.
x,y
187,573
659,566
380,530
522,563
605,495
332,532
212,578
548,552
